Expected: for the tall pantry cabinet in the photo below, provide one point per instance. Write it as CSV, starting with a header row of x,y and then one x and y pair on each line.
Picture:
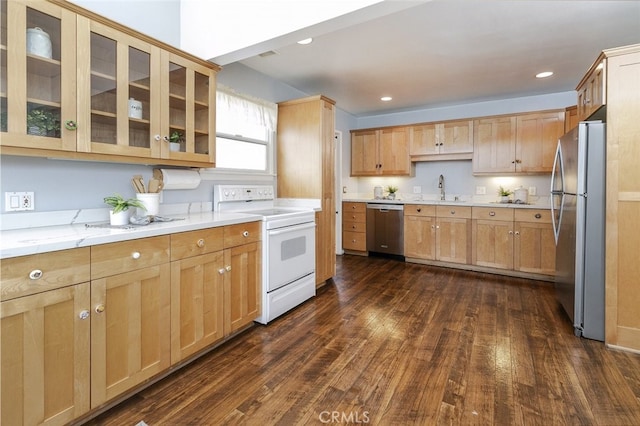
x,y
306,168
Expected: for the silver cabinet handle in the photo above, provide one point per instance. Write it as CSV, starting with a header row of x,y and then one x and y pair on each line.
x,y
36,274
84,314
135,255
200,243
538,216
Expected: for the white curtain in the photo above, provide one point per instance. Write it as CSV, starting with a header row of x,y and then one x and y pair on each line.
x,y
244,115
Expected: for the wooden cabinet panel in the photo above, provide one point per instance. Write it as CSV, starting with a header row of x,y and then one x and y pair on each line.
x,y
130,330
419,210
243,285
592,90
420,237
453,211
354,226
493,243
36,273
453,240
423,139
242,233
354,240
364,153
489,213
197,296
456,137
494,145
535,248
570,118
115,258
383,152
537,140
193,243
45,357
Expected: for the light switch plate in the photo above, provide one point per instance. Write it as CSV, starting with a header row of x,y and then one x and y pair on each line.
x,y
481,190
417,189
533,191
18,201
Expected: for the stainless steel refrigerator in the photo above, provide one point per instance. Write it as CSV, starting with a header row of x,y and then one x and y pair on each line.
x,y
578,212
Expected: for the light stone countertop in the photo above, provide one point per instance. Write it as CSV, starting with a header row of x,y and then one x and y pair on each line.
x,y
20,242
544,206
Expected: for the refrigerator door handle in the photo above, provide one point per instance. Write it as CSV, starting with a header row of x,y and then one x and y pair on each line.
x,y
557,173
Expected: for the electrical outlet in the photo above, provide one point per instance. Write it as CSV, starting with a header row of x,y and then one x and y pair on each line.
x,y
417,189
533,191
344,189
18,201
481,190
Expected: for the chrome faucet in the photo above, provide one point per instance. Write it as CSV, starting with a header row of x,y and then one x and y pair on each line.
x,y
441,186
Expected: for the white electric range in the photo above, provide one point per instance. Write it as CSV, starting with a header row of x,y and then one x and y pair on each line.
x,y
288,245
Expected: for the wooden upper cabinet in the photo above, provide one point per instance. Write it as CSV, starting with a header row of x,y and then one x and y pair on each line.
x,y
382,152
592,90
570,118
103,92
524,143
37,87
494,141
441,139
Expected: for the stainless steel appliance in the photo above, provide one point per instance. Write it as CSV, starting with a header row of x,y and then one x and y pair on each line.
x,y
385,228
288,246
578,211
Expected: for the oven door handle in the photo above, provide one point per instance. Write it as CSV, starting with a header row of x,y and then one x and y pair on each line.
x,y
292,228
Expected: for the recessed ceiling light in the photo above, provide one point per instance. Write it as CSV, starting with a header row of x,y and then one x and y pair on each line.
x,y
306,41
386,98
544,74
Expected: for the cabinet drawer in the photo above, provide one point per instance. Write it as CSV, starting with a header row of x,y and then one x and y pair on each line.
x,y
116,258
242,233
453,211
490,213
533,215
354,241
348,216
419,210
354,226
348,207
193,243
25,275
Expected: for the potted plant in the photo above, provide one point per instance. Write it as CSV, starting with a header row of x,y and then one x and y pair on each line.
x,y
43,122
175,139
392,191
120,213
504,194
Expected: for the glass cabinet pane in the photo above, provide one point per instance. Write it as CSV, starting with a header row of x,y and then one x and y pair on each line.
x,y
139,98
201,113
3,66
178,102
43,74
103,89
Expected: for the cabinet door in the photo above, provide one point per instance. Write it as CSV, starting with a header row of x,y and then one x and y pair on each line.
x,y
394,152
243,285
420,237
197,292
37,84
456,137
423,140
453,240
494,145
537,140
45,357
117,70
130,330
364,153
493,243
188,108
535,248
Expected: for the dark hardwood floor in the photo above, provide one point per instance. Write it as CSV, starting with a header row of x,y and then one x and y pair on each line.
x,y
391,343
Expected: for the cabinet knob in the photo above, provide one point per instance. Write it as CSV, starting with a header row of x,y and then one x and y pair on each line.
x,y
436,144
538,216
221,271
518,161
228,268
492,213
200,243
99,309
70,125
353,207
135,255
441,143
84,314
517,232
353,226
433,227
165,138
510,232
353,241
453,212
157,137
245,234
36,274
418,209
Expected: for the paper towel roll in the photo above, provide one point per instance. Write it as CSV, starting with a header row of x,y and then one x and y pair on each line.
x,y
180,179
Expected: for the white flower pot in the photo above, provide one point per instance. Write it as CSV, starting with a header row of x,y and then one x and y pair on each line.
x,y
152,203
174,146
119,219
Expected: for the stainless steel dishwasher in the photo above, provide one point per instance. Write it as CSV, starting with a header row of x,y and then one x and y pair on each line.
x,y
385,228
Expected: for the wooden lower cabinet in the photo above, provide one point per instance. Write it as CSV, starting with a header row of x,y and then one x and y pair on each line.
x,y
243,299
493,237
420,237
130,330
354,227
45,357
534,242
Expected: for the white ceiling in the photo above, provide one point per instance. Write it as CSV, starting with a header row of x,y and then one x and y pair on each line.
x,y
446,52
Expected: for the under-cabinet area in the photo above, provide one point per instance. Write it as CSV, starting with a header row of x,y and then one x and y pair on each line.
x,y
502,239
83,326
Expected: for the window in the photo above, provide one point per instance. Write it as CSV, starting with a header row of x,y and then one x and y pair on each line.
x,y
245,129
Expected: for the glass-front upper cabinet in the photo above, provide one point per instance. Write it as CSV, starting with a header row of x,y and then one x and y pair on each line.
x,y
119,98
188,110
37,76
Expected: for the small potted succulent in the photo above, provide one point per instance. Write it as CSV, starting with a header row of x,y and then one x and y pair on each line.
x,y
43,122
392,191
175,139
504,194
120,213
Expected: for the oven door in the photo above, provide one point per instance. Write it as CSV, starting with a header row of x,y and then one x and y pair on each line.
x,y
292,254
